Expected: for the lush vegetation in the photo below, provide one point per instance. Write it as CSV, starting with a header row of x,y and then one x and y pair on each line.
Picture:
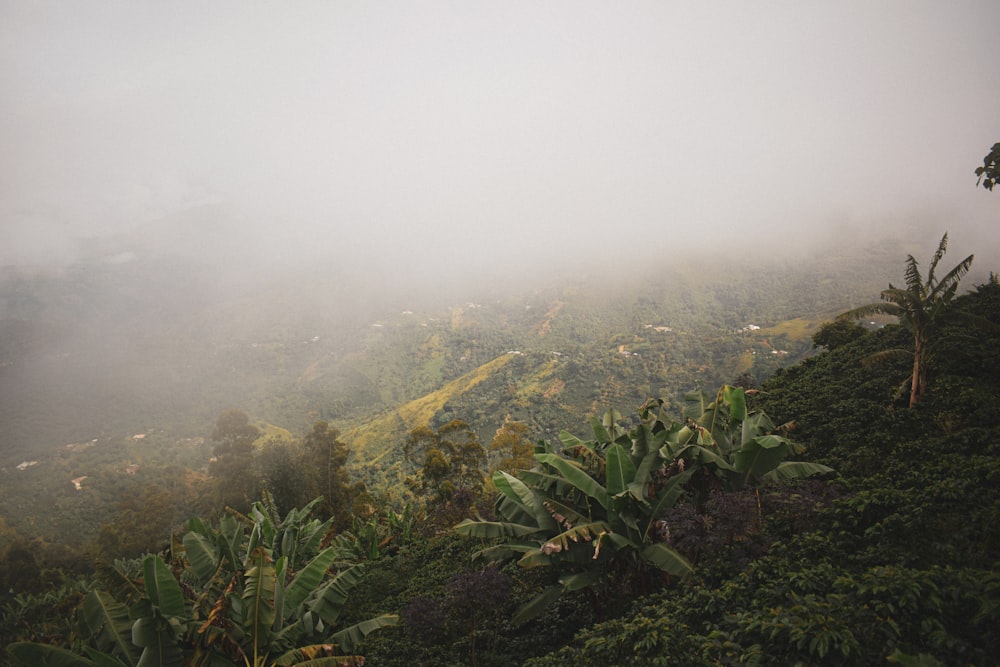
x,y
816,517
896,561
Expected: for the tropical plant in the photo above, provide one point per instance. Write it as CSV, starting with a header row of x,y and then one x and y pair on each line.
x,y
591,508
736,447
256,591
369,538
919,307
596,508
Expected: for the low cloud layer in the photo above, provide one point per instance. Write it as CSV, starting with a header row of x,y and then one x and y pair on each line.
x,y
475,136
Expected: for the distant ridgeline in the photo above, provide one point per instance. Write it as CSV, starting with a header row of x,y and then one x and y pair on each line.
x,y
106,349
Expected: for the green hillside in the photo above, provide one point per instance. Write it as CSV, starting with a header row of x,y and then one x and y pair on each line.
x,y
812,519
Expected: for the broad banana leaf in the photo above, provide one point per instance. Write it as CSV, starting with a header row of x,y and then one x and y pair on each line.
x,y
603,427
289,543
263,521
792,470
280,577
576,477
535,558
646,441
308,579
317,655
568,441
159,648
666,559
162,589
697,403
109,625
102,659
756,424
736,398
758,457
505,551
579,581
120,582
330,599
312,535
229,537
568,513
258,600
678,436
539,480
620,471
253,541
490,529
204,555
351,637
30,654
524,497
643,473
537,605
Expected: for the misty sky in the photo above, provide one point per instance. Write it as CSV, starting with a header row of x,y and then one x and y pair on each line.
x,y
474,133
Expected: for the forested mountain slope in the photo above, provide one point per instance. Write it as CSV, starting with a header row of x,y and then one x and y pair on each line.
x,y
131,341
893,557
898,559
127,340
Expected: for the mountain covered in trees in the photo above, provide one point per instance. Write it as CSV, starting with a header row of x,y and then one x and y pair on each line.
x,y
688,467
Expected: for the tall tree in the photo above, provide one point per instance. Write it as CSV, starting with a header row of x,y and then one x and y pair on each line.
x,y
511,449
449,472
451,459
919,307
989,173
232,463
325,456
234,433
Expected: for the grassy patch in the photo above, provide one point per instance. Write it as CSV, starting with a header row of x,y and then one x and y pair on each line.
x,y
798,329
270,432
374,440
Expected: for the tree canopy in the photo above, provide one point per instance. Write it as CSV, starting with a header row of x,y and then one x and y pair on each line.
x,y
990,171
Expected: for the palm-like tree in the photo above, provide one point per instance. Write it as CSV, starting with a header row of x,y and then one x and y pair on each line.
x,y
919,307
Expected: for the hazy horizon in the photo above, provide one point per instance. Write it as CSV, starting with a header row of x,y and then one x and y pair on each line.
x,y
443,137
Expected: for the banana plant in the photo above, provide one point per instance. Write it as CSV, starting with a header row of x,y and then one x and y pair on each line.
x,y
265,589
370,538
257,591
742,447
146,634
588,508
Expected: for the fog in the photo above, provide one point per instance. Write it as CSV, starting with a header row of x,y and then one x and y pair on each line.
x,y
453,139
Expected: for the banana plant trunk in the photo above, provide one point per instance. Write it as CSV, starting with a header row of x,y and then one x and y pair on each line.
x,y
919,380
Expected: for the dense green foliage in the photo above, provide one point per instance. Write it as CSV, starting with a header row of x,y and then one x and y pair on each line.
x,y
989,173
893,560
258,590
902,564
